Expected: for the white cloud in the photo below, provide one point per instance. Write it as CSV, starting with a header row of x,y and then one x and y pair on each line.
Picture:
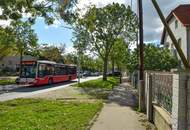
x,y
153,26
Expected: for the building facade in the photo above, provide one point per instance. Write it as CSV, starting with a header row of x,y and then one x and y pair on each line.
x,y
13,62
179,22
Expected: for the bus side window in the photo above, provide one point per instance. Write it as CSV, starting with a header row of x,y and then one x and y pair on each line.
x,y
41,70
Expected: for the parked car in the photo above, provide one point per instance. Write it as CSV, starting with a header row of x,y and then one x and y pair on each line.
x,y
116,73
87,73
97,74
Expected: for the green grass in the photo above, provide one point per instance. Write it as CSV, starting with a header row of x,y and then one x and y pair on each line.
x,y
98,88
99,83
38,114
7,81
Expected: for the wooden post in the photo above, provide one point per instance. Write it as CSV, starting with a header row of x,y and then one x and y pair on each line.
x,y
141,69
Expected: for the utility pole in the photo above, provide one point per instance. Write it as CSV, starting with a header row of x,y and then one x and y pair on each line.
x,y
141,61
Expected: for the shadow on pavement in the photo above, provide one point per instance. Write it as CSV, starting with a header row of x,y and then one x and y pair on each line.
x,y
42,87
124,95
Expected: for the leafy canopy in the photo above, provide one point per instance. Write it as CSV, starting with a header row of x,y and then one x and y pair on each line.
x,y
155,58
48,9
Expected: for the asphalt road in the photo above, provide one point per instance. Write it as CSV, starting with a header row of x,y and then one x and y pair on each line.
x,y
30,91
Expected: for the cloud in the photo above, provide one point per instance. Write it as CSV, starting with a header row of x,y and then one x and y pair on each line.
x,y
153,26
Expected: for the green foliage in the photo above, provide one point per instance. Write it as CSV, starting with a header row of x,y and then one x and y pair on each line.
x,y
19,38
90,63
52,53
70,58
25,38
46,114
119,54
7,46
155,58
98,83
48,9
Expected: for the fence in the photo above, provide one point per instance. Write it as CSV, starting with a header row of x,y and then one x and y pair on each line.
x,y
171,94
162,90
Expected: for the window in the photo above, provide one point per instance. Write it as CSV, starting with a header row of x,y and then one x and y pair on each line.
x,y
72,70
28,71
176,24
45,69
60,70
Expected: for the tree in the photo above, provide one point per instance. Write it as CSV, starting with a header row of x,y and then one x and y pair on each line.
x,y
25,38
53,53
102,27
70,59
119,54
155,58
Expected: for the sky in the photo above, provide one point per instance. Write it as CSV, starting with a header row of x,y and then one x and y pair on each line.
x,y
56,33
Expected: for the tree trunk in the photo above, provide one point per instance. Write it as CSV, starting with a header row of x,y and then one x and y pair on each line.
x,y
105,68
113,66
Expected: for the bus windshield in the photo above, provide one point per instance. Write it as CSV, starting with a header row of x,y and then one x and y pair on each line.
x,y
28,71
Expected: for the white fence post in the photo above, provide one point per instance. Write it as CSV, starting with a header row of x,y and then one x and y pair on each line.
x,y
179,102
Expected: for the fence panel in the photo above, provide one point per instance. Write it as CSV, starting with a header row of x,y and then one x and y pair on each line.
x,y
162,90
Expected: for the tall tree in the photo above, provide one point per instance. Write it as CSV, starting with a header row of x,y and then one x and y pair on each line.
x,y
25,38
102,27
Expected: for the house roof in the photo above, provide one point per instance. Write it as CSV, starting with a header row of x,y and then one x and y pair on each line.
x,y
181,13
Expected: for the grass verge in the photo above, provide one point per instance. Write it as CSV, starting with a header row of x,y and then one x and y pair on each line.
x,y
7,81
46,114
99,88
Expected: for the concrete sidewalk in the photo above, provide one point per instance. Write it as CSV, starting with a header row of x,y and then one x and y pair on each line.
x,y
119,113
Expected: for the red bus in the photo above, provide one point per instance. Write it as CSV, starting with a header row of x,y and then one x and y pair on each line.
x,y
41,72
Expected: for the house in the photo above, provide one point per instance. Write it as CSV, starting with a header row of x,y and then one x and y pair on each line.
x,y
179,22
13,62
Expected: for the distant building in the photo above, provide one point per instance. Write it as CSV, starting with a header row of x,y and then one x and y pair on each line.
x,y
179,22
13,62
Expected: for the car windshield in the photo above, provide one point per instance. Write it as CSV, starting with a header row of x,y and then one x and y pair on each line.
x,y
28,71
